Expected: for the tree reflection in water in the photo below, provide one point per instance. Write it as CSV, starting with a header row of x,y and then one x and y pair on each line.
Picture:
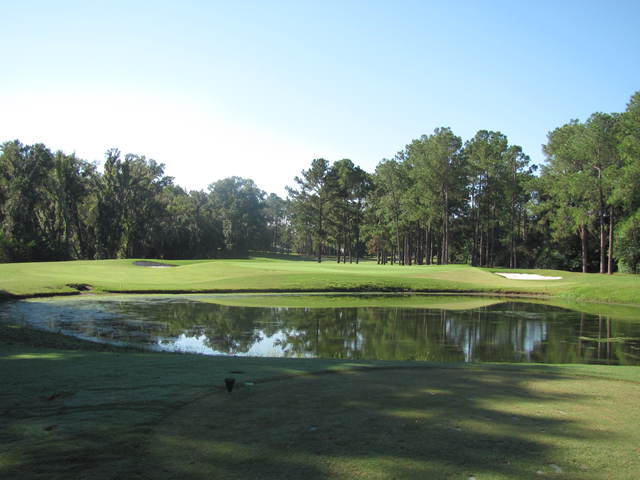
x,y
505,332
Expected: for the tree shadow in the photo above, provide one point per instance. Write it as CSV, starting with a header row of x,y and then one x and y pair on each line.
x,y
281,256
395,423
4,295
403,423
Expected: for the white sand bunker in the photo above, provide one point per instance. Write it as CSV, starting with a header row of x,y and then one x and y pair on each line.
x,y
526,276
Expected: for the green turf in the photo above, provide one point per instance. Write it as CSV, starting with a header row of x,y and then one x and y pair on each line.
x,y
431,301
337,300
280,275
430,422
71,409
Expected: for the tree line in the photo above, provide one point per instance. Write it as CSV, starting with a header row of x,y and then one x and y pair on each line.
x,y
55,206
439,200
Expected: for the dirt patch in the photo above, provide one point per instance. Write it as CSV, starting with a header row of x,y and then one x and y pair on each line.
x,y
147,263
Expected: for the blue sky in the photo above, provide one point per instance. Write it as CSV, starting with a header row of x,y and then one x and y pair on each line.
x,y
259,89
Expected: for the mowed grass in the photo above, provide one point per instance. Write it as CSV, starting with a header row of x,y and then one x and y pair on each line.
x,y
407,423
350,300
71,409
262,274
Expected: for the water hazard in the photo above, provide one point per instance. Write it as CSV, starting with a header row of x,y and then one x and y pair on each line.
x,y
448,329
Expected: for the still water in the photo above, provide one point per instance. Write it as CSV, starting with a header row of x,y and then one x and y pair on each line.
x,y
493,331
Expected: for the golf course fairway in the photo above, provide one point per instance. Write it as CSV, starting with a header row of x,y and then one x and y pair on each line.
x,y
264,274
75,409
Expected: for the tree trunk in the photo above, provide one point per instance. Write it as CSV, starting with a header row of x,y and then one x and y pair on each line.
x,y
583,244
427,246
430,248
357,229
602,241
79,233
610,253
512,233
445,228
601,217
474,216
320,232
476,241
397,238
491,237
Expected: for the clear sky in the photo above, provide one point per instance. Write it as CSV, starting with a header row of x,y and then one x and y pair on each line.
x,y
259,89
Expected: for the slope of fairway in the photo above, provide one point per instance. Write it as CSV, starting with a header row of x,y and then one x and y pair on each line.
x,y
277,275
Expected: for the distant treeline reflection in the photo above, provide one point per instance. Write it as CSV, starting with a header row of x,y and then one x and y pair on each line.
x,y
507,332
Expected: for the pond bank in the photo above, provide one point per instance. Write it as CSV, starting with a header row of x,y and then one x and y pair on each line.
x,y
300,291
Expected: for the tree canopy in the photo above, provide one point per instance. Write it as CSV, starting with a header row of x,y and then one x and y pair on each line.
x,y
439,200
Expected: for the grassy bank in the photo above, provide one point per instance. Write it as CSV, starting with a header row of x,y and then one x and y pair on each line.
x,y
71,409
281,275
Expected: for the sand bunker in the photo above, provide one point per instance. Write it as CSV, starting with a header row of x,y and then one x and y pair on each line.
x,y
526,276
146,263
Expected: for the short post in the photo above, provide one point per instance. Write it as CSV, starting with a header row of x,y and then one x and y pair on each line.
x,y
229,382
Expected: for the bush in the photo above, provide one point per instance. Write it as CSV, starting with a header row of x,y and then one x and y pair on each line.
x,y
12,251
628,244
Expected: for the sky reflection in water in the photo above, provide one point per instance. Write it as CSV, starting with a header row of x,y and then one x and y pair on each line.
x,y
512,331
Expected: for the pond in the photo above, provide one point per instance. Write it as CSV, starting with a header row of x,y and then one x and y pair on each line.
x,y
381,327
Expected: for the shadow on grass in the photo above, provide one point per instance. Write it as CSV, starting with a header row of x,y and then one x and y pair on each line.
x,y
80,415
401,423
70,410
4,295
283,256
67,414
104,415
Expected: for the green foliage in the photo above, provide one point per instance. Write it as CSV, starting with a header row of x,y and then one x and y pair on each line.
x,y
437,201
13,251
129,206
278,218
41,194
628,247
327,209
392,181
239,206
499,190
626,191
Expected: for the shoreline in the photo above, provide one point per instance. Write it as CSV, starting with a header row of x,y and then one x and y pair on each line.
x,y
6,297
511,294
